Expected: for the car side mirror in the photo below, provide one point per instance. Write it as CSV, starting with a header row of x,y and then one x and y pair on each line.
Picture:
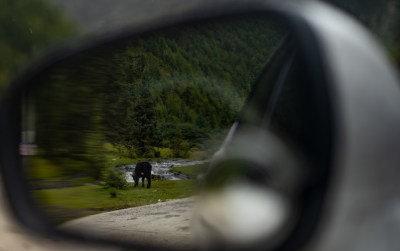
x,y
225,130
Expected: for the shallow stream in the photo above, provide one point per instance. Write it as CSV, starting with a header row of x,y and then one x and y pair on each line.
x,y
162,168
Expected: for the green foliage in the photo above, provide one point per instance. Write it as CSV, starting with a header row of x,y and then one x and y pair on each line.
x,y
173,88
26,28
115,179
165,94
69,122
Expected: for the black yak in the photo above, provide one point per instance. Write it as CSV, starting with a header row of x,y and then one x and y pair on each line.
x,y
143,170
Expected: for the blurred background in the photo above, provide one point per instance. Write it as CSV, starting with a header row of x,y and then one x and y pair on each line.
x,y
29,28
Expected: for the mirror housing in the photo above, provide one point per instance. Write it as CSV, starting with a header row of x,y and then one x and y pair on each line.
x,y
363,119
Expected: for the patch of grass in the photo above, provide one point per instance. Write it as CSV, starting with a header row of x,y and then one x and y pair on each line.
x,y
73,202
192,171
43,173
42,169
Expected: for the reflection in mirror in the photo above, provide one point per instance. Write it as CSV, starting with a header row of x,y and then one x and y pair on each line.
x,y
117,139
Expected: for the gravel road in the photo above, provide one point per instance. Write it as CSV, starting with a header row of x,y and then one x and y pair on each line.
x,y
166,223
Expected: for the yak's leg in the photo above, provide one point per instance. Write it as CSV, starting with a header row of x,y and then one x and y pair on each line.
x,y
148,182
142,181
136,179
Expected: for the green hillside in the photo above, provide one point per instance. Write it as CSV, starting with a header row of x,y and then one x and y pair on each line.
x,y
167,94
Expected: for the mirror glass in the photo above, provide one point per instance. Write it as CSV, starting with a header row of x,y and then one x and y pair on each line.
x,y
117,140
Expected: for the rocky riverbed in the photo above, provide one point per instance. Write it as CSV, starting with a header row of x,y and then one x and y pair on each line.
x,y
163,169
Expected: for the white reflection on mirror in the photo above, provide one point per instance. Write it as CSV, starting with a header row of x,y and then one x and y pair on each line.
x,y
166,100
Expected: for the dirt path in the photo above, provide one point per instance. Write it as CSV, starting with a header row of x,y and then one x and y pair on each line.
x,y
166,223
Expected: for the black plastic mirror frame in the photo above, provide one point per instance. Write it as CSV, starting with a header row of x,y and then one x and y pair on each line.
x,y
12,173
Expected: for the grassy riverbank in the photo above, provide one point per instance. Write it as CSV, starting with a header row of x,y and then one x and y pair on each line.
x,y
67,203
193,171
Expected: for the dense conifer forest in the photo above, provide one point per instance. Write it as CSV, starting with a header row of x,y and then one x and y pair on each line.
x,y
167,94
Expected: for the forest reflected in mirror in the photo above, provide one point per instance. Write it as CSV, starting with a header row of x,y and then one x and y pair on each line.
x,y
166,98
